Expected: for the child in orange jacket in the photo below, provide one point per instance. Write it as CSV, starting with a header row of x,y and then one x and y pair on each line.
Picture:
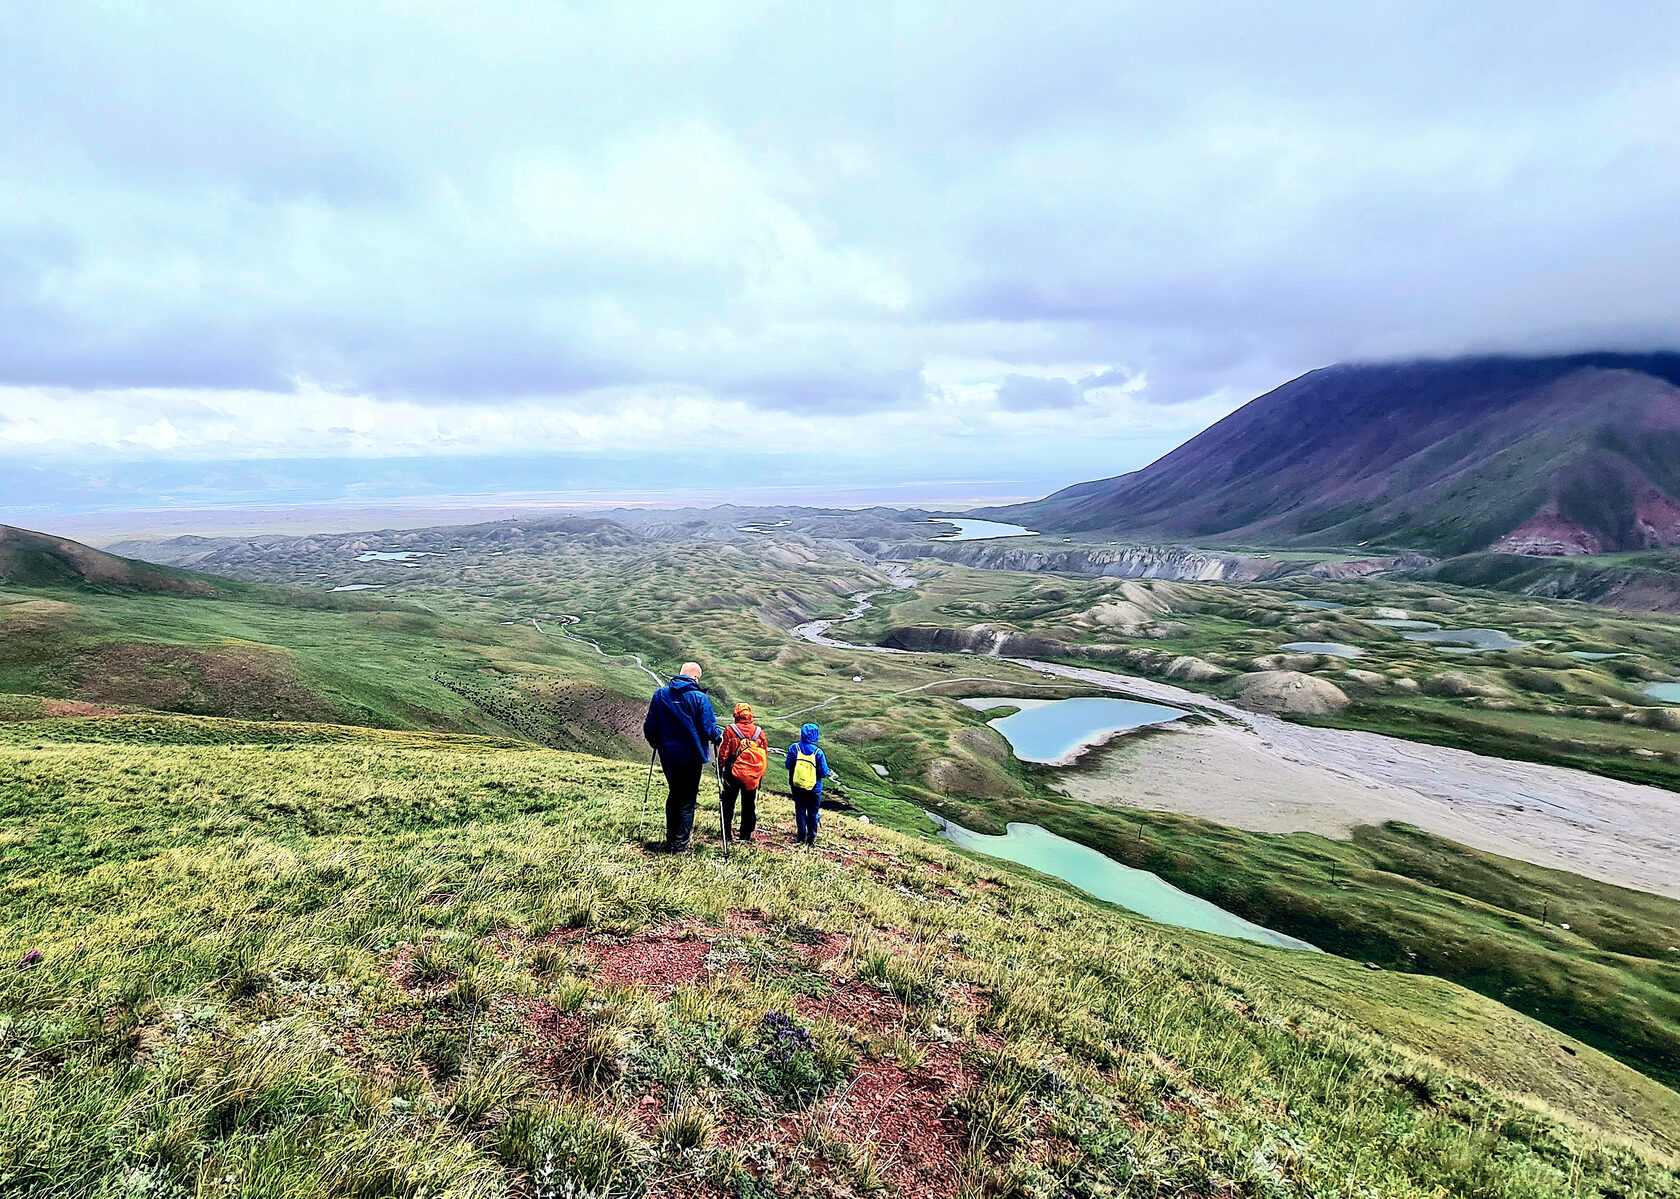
x,y
742,759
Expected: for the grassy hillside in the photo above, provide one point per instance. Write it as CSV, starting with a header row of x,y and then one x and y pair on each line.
x,y
463,668
1399,898
307,960
372,662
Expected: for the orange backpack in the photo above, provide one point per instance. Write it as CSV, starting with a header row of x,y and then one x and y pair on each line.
x,y
750,761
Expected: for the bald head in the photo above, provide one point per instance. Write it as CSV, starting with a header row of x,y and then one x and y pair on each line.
x,y
692,670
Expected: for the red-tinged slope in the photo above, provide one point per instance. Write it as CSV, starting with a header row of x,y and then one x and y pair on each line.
x,y
1553,456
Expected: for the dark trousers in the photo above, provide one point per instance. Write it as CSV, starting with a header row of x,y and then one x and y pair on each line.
x,y
683,779
732,787
807,810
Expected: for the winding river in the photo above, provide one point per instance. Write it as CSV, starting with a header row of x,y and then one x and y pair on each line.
x,y
1618,832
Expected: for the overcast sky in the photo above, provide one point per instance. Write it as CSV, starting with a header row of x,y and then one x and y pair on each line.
x,y
970,249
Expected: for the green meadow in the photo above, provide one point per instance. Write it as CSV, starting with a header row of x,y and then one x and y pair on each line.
x,y
271,959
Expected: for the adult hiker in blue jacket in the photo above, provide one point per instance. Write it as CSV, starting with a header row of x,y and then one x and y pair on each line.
x,y
682,728
807,768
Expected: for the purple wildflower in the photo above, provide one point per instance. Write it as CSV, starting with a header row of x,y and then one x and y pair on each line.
x,y
32,958
786,1038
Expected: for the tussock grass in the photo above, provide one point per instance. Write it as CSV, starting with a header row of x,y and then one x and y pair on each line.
x,y
260,991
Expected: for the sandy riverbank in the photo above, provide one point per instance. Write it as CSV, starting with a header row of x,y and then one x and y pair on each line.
x,y
1268,775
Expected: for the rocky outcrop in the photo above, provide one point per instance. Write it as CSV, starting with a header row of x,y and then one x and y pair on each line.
x,y
1196,670
1456,684
1629,590
1359,568
1289,693
1121,562
1295,662
1549,534
976,639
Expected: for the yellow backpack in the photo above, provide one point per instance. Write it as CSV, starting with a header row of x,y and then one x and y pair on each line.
x,y
804,770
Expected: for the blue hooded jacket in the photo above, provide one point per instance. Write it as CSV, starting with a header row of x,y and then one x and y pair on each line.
x,y
808,742
680,723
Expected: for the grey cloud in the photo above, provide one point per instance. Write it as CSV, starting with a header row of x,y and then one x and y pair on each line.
x,y
236,196
1027,393
833,392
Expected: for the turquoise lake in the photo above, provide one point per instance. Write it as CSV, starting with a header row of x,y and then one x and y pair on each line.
x,y
1334,648
1467,640
1668,693
1099,875
1054,731
981,530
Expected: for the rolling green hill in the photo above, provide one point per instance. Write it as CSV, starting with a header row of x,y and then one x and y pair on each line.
x,y
29,559
311,960
85,630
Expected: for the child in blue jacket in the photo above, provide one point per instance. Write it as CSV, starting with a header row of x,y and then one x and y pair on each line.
x,y
807,768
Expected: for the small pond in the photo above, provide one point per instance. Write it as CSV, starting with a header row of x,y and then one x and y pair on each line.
x,y
1099,875
1054,732
394,555
1589,656
1333,648
1668,693
1317,605
980,530
1467,640
358,587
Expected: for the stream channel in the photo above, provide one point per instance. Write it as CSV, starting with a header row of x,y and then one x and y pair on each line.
x,y
1057,731
1618,832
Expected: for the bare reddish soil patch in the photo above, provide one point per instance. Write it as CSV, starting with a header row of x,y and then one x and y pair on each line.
x,y
401,970
75,707
745,921
903,1115
385,1023
968,995
828,949
854,1005
659,962
558,1035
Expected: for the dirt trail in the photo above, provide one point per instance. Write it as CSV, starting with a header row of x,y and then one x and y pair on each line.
x,y
1283,777
565,631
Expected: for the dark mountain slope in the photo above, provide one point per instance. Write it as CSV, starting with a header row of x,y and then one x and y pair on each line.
x,y
30,559
1575,454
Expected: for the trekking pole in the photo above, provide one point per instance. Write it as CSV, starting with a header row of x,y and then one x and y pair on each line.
x,y
723,820
647,794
